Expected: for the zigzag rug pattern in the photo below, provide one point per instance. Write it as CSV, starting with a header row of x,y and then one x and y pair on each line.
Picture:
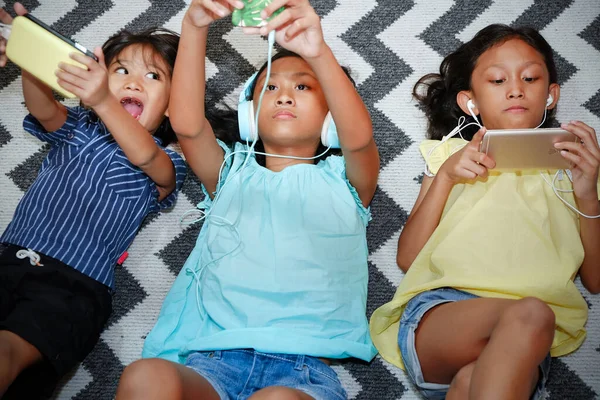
x,y
388,44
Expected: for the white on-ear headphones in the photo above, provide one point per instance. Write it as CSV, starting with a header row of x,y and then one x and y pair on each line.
x,y
549,101
329,136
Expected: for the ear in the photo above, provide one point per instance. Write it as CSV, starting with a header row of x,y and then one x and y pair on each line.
x,y
554,91
462,98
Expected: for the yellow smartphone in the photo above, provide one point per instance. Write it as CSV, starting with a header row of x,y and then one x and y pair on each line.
x,y
37,48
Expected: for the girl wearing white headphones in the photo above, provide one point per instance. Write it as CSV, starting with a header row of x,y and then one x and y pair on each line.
x,y
490,257
276,285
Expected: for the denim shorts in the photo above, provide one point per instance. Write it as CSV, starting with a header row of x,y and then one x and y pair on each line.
x,y
414,311
237,374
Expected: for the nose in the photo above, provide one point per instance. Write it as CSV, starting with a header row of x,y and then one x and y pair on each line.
x,y
285,99
516,90
133,84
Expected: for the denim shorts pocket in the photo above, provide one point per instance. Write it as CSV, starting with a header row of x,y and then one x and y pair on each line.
x,y
324,380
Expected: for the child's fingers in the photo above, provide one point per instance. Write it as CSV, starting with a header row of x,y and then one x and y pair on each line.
x,y
70,87
271,8
477,138
73,70
485,160
5,17
251,30
20,9
579,150
236,4
70,78
81,58
299,26
217,8
281,20
100,55
585,129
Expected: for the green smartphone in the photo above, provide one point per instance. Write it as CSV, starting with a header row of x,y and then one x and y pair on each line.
x,y
250,14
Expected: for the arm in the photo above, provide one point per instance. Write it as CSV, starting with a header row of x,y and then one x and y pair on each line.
x,y
585,158
91,86
186,107
38,97
299,30
353,123
590,238
468,163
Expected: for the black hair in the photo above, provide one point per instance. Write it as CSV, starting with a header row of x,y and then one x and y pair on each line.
x,y
224,121
436,93
163,43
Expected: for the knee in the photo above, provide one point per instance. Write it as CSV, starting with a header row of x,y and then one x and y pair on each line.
x,y
279,393
147,378
461,383
535,320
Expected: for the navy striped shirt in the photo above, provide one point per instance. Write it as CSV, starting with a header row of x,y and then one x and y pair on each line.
x,y
88,201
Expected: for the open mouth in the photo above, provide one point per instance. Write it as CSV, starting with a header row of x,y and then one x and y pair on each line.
x,y
133,106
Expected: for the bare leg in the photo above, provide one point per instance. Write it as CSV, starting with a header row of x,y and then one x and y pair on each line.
x,y
16,354
505,340
280,393
154,378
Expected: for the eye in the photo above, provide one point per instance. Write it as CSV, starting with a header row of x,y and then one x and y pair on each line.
x,y
121,70
302,87
271,87
527,79
497,81
152,75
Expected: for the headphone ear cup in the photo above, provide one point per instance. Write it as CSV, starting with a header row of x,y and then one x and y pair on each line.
x,y
549,101
329,135
246,120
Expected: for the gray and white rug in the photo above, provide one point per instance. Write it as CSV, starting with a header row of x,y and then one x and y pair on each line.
x,y
388,44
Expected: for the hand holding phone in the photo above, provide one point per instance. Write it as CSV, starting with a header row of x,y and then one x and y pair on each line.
x,y
38,49
521,149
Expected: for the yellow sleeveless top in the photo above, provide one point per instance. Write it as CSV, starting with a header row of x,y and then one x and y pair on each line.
x,y
507,237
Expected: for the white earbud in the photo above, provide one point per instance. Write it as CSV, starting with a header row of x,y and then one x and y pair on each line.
x,y
471,106
549,101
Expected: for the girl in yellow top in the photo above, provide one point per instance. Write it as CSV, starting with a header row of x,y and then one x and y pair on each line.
x,y
490,257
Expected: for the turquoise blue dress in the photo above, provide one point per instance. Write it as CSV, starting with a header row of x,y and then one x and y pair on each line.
x,y
280,266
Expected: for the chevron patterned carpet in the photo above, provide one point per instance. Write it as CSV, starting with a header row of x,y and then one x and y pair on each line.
x,y
388,44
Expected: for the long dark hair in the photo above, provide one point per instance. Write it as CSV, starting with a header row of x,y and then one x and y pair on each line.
x,y
436,93
224,121
164,43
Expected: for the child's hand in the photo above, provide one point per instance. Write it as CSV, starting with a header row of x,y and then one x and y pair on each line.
x,y
298,27
90,85
5,18
585,158
468,163
202,12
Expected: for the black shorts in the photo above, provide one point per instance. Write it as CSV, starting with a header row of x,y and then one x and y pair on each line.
x,y
54,307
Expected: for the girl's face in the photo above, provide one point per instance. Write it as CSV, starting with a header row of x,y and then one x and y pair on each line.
x,y
140,79
510,87
294,106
